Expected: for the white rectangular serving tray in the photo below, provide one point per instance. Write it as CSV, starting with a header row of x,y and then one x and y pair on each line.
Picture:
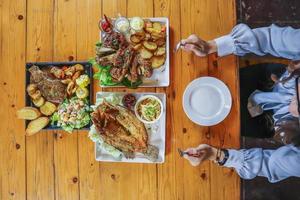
x,y
157,139
161,76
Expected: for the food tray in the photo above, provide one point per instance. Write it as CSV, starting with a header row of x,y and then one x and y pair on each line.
x,y
88,70
157,139
161,76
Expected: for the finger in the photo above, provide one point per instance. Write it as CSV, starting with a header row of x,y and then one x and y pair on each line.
x,y
183,42
193,47
274,78
183,47
194,161
193,38
197,51
194,155
191,150
202,146
187,41
202,156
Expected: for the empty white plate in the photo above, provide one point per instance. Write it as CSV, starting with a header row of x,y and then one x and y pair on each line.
x,y
207,101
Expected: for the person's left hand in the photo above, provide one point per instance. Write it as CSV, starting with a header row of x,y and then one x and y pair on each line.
x,y
204,151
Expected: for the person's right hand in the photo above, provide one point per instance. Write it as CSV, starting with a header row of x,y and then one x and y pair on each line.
x,y
198,46
293,107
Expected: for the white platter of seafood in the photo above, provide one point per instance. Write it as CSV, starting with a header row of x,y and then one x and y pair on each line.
x,y
129,127
146,50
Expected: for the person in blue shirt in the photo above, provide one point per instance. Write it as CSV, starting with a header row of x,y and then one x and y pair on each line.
x,y
270,110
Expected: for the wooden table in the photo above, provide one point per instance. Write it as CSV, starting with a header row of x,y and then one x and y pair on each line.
x,y
54,165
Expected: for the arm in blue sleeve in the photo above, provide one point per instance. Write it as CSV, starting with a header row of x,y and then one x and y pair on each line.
x,y
277,41
275,165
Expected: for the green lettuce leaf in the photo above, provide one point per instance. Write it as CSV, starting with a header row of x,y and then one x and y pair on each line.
x,y
132,85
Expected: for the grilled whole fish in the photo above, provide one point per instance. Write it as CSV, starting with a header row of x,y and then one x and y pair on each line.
x,y
120,128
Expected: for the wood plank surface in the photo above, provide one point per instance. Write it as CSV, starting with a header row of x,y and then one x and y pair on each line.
x,y
66,145
56,165
12,79
39,147
87,33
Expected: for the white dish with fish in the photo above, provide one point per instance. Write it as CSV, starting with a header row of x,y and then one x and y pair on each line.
x,y
155,132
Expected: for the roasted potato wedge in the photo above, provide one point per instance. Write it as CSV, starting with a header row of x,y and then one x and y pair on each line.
x,y
155,35
37,125
76,75
31,88
74,89
157,61
137,46
38,102
152,30
160,51
135,38
66,81
48,108
57,72
147,36
157,26
160,41
146,54
150,45
28,113
148,24
79,67
36,95
70,71
70,87
141,35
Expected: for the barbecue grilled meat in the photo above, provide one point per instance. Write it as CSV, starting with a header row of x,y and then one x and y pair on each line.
x,y
105,60
118,74
122,63
115,41
145,67
52,89
123,59
120,128
133,75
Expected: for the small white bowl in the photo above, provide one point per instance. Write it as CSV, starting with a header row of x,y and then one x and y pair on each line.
x,y
139,101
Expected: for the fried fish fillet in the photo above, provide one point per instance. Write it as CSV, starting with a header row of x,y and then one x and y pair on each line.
x,y
120,128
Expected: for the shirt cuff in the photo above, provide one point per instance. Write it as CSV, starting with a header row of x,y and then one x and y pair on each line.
x,y
225,45
235,159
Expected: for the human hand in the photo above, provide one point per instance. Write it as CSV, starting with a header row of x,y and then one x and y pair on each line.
x,y
293,107
198,46
203,151
293,65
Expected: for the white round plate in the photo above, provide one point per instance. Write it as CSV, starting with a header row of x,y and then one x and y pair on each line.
x,y
207,101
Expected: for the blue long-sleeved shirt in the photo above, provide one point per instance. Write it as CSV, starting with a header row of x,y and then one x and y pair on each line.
x,y
283,162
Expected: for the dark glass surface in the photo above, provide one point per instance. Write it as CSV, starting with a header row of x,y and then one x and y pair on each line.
x,y
258,13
